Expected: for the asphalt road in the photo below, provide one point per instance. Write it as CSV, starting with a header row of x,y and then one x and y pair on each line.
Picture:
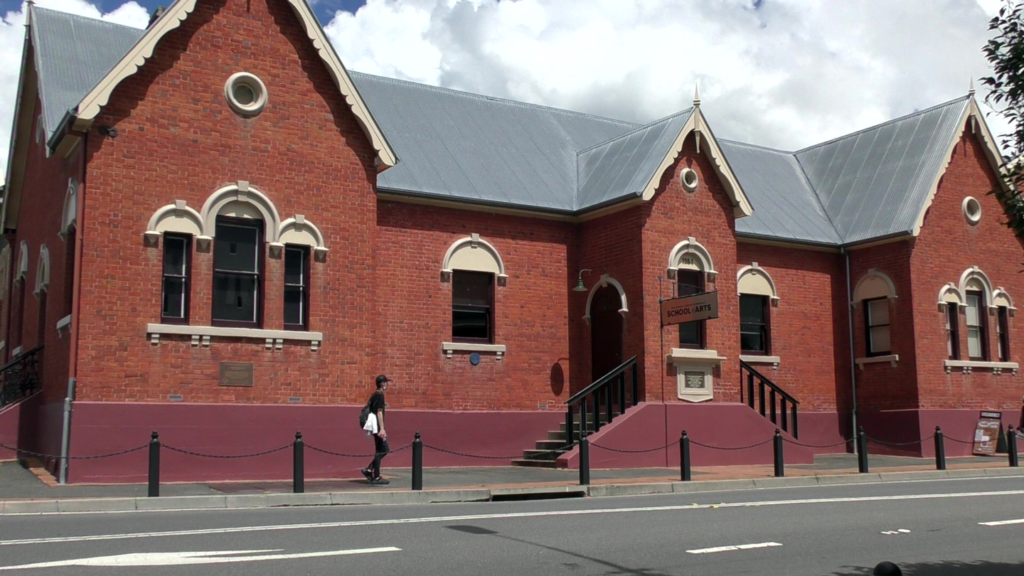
x,y
928,528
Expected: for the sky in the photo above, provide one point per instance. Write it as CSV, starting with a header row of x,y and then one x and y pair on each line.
x,y
779,73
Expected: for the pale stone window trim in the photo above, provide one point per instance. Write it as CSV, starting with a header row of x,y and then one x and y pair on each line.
x,y
243,194
974,276
692,360
688,247
1001,298
873,284
970,365
747,283
69,214
689,180
42,271
16,352
450,347
22,261
201,335
972,210
253,83
178,218
300,232
754,359
605,281
489,262
64,322
892,359
950,294
5,270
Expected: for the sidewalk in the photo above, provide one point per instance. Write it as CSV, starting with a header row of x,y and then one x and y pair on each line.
x,y
31,490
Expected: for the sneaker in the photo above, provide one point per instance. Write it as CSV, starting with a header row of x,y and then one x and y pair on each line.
x,y
380,481
368,474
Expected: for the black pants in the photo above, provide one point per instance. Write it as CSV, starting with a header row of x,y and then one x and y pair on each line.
x,y
380,449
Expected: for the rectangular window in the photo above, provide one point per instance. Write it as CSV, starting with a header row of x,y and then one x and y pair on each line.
x,y
237,265
876,321
691,334
296,288
952,331
1003,333
754,333
69,271
977,341
177,260
472,306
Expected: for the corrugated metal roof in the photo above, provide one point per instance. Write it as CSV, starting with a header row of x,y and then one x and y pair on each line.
x,y
462,146
625,164
785,205
72,54
874,183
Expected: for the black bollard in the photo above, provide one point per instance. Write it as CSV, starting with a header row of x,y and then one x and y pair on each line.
x,y
154,465
940,449
417,463
298,465
1011,445
862,451
780,460
584,459
684,457
887,569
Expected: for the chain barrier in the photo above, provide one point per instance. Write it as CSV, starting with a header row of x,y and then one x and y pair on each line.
x,y
958,441
225,457
912,442
478,456
56,457
341,455
731,449
669,445
795,443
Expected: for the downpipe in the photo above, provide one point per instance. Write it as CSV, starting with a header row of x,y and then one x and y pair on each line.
x,y
853,353
65,437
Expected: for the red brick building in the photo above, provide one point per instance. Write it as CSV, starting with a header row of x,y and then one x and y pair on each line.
x,y
216,231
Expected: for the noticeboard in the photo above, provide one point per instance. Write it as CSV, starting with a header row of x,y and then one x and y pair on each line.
x,y
689,308
986,433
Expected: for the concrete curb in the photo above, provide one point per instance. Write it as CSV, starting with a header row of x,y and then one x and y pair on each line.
x,y
243,501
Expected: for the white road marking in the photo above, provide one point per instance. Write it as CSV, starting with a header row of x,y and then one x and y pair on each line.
x,y
191,558
463,518
732,548
896,532
1002,522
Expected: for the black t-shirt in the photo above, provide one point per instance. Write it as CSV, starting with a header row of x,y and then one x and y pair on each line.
x,y
377,403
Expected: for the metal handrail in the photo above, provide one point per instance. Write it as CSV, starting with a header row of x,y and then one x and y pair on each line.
x,y
770,384
18,378
601,381
21,358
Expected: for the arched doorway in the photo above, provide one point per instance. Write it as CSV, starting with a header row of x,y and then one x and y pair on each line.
x,y
605,331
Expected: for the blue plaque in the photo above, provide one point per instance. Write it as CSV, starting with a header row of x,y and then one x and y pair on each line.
x,y
474,358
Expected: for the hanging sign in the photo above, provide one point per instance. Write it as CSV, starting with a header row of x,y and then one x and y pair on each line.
x,y
986,434
689,308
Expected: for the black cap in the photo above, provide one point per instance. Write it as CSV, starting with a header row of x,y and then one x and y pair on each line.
x,y
382,379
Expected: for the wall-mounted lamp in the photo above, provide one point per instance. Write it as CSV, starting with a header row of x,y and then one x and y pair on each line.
x,y
579,285
109,131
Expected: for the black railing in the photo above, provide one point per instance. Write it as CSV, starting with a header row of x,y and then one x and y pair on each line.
x,y
610,390
771,401
19,377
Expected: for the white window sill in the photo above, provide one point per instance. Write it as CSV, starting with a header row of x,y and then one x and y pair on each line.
x,y
16,352
754,359
694,356
450,347
64,322
201,335
891,358
969,365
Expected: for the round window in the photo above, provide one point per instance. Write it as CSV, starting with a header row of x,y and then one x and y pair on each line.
x,y
972,210
688,178
245,93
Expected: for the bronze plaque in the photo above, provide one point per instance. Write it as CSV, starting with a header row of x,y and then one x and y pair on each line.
x,y
689,308
236,373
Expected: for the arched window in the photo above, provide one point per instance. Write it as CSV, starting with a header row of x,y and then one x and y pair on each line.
x,y
977,291
875,290
474,266
757,296
691,266
951,301
299,238
1004,309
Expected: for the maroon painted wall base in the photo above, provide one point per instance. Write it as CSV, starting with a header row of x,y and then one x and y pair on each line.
x,y
225,429
902,426
12,419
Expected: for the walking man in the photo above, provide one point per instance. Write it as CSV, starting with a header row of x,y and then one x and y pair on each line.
x,y
380,436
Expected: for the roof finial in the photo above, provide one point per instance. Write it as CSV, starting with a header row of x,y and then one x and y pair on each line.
x,y
970,92
696,95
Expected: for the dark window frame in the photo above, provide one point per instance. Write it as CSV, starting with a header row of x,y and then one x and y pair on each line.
x,y
69,270
19,332
868,326
766,327
490,307
702,337
304,287
261,253
1003,333
953,330
982,327
187,278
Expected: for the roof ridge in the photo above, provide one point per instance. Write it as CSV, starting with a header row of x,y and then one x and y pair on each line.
x,y
817,198
886,123
36,8
636,129
758,146
490,98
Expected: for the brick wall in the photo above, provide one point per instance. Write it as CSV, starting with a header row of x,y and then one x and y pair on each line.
x,y
946,247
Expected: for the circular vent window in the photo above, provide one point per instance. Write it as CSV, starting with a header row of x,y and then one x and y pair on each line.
x,y
972,210
688,178
245,93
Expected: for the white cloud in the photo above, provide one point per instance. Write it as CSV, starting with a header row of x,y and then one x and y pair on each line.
x,y
789,74
12,37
